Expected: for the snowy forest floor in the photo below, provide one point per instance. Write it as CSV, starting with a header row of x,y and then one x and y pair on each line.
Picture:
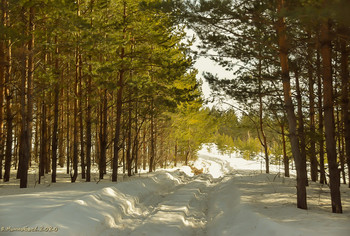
x,y
231,197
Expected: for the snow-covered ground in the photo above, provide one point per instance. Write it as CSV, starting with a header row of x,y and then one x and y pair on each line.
x,y
231,197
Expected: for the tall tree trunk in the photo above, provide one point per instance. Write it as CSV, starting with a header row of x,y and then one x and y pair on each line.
x,y
82,146
43,141
144,149
3,14
292,121
119,104
16,141
285,157
30,82
123,156
152,136
37,135
88,110
48,136
24,148
129,140
75,119
340,143
334,176
68,126
103,134
301,129
136,148
313,159
261,122
9,128
61,133
345,100
9,115
55,121
320,120
88,127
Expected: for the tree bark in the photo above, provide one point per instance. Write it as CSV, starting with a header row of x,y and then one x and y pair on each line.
x,y
144,149
103,134
48,135
136,148
75,119
68,126
26,101
55,121
129,139
3,7
261,122
345,100
320,120
88,128
61,147
9,115
301,129
334,175
80,103
152,152
43,141
340,142
283,55
119,105
285,157
313,159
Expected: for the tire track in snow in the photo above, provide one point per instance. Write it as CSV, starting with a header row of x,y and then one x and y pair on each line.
x,y
183,211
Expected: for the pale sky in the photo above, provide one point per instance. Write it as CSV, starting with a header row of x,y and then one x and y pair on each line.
x,y
204,64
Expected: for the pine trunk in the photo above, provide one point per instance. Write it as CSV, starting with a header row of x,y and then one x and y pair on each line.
x,y
82,146
137,131
43,141
152,151
313,159
129,139
3,13
68,127
24,139
9,115
103,135
292,121
261,122
320,120
55,119
61,133
345,100
144,149
88,128
285,157
119,105
334,175
30,82
48,142
74,176
301,129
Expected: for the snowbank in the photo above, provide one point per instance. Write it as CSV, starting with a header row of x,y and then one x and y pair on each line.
x,y
232,197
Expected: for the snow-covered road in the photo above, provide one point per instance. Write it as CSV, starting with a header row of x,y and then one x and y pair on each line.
x,y
230,198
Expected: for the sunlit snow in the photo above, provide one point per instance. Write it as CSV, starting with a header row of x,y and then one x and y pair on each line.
x,y
232,197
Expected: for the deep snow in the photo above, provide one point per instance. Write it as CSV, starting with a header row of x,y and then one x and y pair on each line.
x,y
231,197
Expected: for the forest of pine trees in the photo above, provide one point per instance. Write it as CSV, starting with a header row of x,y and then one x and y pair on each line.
x,y
91,83
290,64
110,84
